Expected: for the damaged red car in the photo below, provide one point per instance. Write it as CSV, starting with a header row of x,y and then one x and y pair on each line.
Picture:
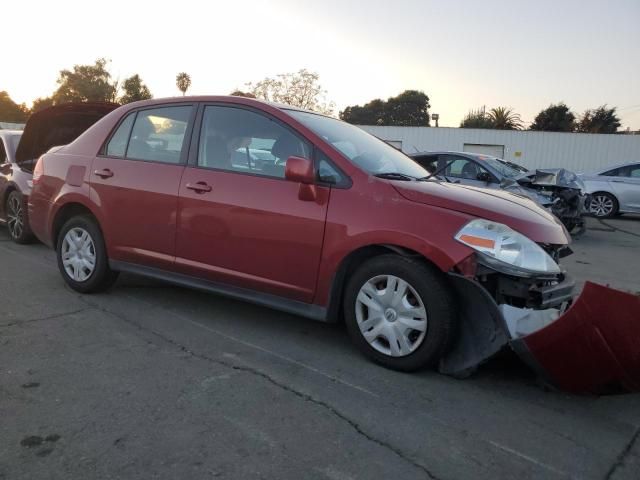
x,y
301,212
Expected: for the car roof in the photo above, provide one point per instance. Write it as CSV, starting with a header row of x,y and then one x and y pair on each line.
x,y
219,98
612,167
476,156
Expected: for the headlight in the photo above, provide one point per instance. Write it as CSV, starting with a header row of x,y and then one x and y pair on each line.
x,y
506,250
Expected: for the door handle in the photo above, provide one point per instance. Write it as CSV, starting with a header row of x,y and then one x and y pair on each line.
x,y
618,181
199,187
106,173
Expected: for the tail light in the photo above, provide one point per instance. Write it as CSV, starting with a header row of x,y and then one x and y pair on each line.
x,y
38,171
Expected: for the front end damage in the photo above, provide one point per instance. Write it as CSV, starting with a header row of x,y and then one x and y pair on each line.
x,y
586,345
558,190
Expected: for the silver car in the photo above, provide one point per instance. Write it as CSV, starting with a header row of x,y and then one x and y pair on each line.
x,y
8,143
614,190
558,190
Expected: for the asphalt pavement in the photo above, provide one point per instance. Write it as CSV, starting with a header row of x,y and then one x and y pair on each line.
x,y
155,381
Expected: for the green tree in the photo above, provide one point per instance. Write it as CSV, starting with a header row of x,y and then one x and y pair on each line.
x,y
410,108
477,119
86,83
372,113
301,89
134,90
555,118
504,118
10,111
599,120
183,82
240,93
41,103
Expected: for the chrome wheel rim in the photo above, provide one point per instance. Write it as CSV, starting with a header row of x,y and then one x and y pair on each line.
x,y
78,254
391,315
601,206
15,217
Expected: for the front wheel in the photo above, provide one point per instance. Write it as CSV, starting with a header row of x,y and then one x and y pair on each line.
x,y
82,256
399,312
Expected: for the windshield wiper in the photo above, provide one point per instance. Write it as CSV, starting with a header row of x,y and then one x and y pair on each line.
x,y
394,176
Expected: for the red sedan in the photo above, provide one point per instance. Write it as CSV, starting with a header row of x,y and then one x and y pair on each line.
x,y
302,212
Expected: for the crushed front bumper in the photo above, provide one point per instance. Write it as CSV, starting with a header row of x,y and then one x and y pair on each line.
x,y
592,347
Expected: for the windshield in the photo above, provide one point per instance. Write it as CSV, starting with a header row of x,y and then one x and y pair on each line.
x,y
366,151
506,169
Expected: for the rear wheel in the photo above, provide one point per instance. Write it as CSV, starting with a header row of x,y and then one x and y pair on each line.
x,y
399,312
603,205
82,256
17,219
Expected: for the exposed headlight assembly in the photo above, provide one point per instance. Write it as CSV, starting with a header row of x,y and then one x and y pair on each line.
x,y
506,250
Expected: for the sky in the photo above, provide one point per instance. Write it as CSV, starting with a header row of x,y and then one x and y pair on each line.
x,y
462,53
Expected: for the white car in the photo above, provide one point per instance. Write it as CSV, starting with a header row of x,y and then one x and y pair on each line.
x,y
614,190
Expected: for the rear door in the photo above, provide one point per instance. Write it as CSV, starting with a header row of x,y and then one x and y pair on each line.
x,y
626,186
240,221
136,181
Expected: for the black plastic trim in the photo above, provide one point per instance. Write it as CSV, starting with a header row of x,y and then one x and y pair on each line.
x,y
313,312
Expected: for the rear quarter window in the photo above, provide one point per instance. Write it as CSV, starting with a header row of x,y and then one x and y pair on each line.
x,y
117,146
611,173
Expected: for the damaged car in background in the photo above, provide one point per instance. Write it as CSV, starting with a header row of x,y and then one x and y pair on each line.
x,y
45,129
423,271
558,190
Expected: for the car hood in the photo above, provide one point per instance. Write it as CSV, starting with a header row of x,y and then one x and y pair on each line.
x,y
516,211
58,125
549,177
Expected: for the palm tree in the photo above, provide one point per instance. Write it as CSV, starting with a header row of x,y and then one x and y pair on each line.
x,y
183,82
504,118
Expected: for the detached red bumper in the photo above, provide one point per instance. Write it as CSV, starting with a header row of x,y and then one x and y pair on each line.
x,y
594,346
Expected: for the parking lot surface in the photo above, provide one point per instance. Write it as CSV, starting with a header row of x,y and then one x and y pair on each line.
x,y
154,381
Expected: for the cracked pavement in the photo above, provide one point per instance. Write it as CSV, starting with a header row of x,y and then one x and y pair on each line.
x,y
155,381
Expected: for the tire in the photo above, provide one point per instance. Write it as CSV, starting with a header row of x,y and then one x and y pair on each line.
x,y
603,205
82,256
415,348
17,218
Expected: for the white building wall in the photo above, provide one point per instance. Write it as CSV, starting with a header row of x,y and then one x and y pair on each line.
x,y
579,152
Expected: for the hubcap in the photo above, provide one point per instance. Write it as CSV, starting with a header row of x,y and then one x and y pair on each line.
x,y
78,254
391,315
15,217
601,206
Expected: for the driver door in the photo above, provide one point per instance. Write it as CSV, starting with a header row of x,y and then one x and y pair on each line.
x,y
240,222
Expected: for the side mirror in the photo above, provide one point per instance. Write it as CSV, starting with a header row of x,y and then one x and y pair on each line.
x,y
484,177
298,169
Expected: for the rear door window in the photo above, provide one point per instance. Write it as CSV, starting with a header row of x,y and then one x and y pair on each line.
x,y
632,171
158,134
3,153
